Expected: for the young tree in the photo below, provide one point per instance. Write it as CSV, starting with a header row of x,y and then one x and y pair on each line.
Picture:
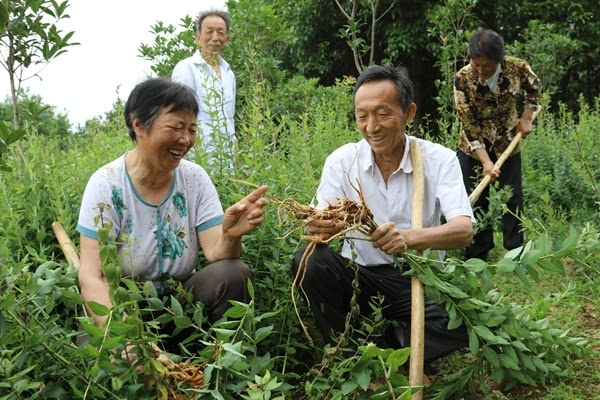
x,y
29,37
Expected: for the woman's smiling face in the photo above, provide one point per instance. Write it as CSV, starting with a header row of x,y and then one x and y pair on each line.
x,y
170,136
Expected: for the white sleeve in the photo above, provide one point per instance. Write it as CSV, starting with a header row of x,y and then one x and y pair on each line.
x,y
182,73
330,188
450,192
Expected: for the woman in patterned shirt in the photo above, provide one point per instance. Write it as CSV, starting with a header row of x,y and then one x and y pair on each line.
x,y
486,95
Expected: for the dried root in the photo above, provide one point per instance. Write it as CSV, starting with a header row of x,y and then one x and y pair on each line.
x,y
354,216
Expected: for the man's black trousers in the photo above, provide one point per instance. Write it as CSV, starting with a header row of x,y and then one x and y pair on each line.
x,y
512,229
328,286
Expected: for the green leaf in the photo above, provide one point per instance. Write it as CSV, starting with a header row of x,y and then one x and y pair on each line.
x,y
486,281
531,257
514,253
475,265
487,335
568,245
176,307
397,358
491,356
348,387
473,342
263,332
552,265
182,322
507,362
369,352
455,323
250,289
506,265
237,311
363,378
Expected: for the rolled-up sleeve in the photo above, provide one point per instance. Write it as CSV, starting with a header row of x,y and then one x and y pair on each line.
x,y
531,86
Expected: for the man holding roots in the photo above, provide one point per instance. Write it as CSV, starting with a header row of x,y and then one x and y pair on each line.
x,y
381,167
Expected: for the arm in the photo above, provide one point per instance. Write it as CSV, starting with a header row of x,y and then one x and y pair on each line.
x,y
224,241
455,234
487,164
533,93
94,286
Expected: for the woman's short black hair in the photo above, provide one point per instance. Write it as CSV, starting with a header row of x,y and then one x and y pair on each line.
x,y
398,75
148,98
486,43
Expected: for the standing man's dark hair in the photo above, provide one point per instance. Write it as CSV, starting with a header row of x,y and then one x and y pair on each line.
x,y
486,43
217,13
398,75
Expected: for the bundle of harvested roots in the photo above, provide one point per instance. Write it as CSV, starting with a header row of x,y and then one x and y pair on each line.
x,y
178,375
355,216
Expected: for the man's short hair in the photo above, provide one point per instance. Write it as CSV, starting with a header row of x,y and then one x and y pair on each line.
x,y
149,98
486,43
398,75
210,13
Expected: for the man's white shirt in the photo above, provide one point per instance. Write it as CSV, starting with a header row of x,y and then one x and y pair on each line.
x,y
445,193
215,95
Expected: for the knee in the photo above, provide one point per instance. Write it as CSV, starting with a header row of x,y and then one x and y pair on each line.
x,y
233,270
316,262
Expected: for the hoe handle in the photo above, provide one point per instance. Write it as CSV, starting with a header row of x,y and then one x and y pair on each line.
x,y
68,248
417,315
487,179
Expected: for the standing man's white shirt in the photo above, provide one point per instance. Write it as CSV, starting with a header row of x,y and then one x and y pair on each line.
x,y
444,190
216,100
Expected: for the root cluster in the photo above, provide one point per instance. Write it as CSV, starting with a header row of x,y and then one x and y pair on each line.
x,y
353,215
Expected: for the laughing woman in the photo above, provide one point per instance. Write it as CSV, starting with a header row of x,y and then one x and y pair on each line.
x,y
162,209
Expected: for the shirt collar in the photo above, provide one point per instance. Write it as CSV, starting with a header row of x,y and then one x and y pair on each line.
x,y
365,152
198,59
493,80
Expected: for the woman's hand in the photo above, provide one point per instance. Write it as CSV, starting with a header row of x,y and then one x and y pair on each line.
x,y
245,215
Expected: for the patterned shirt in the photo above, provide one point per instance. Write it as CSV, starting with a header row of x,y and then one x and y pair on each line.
x,y
444,191
492,116
155,241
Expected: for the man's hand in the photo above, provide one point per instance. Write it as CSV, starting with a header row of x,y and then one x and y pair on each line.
x,y
389,238
525,127
245,215
488,169
326,228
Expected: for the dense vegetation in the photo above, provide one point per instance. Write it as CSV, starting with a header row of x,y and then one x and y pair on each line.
x,y
533,335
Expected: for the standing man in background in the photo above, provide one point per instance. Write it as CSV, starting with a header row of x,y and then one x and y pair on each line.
x,y
213,81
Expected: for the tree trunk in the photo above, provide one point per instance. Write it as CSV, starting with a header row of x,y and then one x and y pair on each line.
x,y
11,73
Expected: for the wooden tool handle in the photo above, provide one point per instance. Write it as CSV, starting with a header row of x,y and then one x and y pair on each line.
x,y
513,143
68,248
417,315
